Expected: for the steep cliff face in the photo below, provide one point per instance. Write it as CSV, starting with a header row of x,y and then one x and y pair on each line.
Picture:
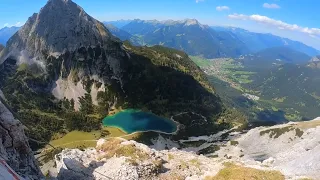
x,y
14,146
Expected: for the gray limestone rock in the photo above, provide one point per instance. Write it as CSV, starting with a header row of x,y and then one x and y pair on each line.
x,y
14,146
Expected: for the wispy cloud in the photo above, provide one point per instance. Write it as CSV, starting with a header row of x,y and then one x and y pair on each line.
x,y
271,6
197,1
10,25
222,8
18,24
277,23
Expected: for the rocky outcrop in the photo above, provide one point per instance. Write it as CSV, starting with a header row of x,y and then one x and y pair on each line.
x,y
289,151
14,147
289,148
121,159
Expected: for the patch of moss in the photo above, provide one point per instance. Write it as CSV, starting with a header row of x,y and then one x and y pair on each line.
x,y
214,156
113,147
299,132
22,67
183,165
49,155
236,172
193,143
234,143
170,156
195,162
132,162
75,139
210,149
277,132
158,163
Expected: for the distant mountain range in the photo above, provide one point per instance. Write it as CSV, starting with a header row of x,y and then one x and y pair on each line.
x,y
195,38
6,33
283,54
118,23
187,35
121,34
259,41
274,56
201,40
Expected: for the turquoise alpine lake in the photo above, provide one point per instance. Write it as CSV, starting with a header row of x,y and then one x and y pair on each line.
x,y
132,121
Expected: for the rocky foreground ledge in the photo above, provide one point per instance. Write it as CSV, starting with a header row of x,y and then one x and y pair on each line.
x,y
288,151
121,159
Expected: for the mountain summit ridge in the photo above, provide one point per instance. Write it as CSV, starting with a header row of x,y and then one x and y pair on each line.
x,y
187,35
61,25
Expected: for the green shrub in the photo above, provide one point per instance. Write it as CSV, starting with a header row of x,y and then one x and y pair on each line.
x,y
299,132
277,132
234,143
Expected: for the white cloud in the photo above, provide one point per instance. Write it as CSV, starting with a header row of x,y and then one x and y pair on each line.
x,y
17,24
238,16
197,1
277,23
271,6
222,8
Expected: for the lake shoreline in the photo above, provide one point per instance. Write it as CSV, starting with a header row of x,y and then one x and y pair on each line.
x,y
136,132
171,120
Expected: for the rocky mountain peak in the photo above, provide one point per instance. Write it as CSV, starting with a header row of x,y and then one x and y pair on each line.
x,y
189,22
60,1
314,62
316,59
59,26
194,22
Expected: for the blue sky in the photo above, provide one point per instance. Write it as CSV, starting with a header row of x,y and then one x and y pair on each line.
x,y
294,19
